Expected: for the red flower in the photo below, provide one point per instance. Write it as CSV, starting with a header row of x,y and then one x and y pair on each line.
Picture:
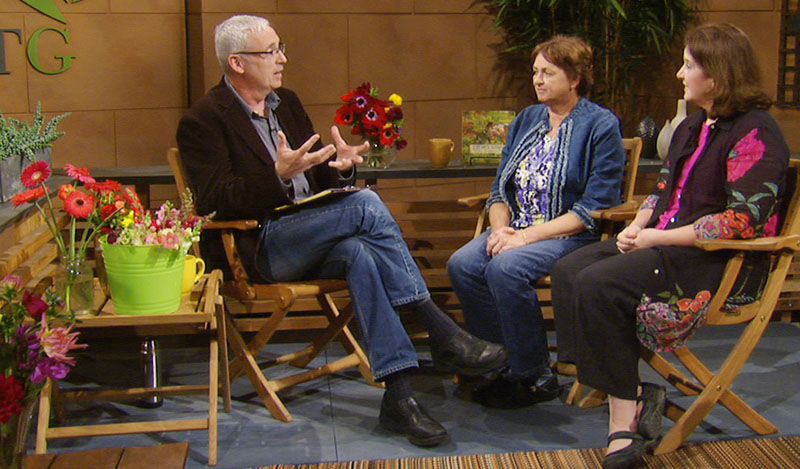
x,y
35,305
79,204
29,195
81,174
65,190
11,394
36,173
400,143
344,116
132,199
394,113
107,210
388,136
109,185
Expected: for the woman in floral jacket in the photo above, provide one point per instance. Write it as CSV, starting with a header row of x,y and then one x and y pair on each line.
x,y
723,178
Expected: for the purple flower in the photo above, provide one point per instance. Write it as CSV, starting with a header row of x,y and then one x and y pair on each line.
x,y
49,368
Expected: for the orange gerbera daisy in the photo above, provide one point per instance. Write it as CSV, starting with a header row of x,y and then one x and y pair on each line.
x,y
28,196
81,174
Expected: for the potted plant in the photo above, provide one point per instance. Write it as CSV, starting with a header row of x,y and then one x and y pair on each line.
x,y
21,141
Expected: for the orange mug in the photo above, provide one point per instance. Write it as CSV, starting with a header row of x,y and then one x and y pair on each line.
x,y
193,269
441,151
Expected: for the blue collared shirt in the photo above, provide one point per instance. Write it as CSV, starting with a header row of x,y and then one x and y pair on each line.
x,y
267,128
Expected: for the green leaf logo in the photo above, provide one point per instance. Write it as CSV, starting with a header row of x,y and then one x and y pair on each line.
x,y
47,7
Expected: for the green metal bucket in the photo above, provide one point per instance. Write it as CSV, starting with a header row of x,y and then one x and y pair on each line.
x,y
143,279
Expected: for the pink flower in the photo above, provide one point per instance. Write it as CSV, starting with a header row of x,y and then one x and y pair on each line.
x,y
170,240
57,343
746,153
81,174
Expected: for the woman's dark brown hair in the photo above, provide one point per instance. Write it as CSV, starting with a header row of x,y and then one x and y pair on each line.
x,y
726,55
571,54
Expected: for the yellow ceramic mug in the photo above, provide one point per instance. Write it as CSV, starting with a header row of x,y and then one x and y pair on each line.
x,y
441,151
192,271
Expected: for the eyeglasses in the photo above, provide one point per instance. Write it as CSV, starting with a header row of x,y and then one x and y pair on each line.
x,y
268,53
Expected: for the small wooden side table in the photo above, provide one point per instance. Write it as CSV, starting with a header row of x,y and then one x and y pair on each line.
x,y
202,313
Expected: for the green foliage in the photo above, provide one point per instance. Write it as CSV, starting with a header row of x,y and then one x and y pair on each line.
x,y
17,137
625,35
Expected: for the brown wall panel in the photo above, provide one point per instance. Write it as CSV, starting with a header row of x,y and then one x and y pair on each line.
x,y
418,56
89,140
238,6
146,6
316,65
143,136
123,62
14,85
736,5
448,6
345,6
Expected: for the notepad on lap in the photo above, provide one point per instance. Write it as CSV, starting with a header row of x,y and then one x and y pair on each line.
x,y
320,196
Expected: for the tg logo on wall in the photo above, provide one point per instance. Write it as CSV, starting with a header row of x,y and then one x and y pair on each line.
x,y
51,10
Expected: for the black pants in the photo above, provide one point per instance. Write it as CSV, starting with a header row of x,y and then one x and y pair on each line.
x,y
595,294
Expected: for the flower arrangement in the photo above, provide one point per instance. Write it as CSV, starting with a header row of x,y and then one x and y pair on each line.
x,y
375,120
32,349
169,227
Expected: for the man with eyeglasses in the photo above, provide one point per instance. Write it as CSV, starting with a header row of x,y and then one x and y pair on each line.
x,y
249,147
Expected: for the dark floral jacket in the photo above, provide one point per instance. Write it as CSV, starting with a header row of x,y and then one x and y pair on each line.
x,y
733,191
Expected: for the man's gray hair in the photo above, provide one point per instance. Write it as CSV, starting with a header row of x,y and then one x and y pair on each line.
x,y
232,34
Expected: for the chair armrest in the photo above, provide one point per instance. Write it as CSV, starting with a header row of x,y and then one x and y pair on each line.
x,y
243,225
622,212
776,243
474,201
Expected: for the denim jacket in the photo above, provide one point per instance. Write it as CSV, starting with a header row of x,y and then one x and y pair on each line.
x,y
587,171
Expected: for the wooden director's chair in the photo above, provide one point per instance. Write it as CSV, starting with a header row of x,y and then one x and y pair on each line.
x,y
711,388
278,299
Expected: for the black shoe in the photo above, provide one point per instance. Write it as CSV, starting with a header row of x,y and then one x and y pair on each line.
x,y
467,355
407,416
654,400
629,457
503,393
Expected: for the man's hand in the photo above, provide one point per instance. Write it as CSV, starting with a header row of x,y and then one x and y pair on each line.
x,y
346,155
290,163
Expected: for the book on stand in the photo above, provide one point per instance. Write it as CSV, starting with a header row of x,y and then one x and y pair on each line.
x,y
483,135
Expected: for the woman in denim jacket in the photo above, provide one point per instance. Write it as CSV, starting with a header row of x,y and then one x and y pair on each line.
x,y
563,158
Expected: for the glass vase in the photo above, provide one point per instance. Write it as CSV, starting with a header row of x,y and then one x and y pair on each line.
x,y
380,156
74,283
13,436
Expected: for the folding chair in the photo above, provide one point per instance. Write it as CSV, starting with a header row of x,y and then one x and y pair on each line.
x,y
278,300
714,388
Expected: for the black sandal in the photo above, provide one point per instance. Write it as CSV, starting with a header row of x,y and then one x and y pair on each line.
x,y
629,457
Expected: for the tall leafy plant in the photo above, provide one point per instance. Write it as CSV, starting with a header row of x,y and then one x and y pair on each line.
x,y
627,35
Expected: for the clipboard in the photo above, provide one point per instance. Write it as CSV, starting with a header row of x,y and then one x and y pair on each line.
x,y
327,194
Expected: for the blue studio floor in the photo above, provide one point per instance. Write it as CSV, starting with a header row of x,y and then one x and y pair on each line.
x,y
335,418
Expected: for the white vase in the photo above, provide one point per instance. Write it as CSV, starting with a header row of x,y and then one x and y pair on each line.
x,y
680,114
664,139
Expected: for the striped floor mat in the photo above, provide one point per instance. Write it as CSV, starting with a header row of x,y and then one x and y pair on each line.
x,y
758,453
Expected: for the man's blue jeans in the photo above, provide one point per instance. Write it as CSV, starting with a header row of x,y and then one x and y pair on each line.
x,y
354,238
499,299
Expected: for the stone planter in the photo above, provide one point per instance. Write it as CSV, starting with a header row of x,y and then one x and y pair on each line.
x,y
10,183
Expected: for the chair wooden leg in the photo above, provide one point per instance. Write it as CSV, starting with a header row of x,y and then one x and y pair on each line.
x,y
595,398
575,393
213,389
256,376
336,322
716,387
237,366
222,341
43,420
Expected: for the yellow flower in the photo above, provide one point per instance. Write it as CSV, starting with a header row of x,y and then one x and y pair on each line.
x,y
396,99
127,219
